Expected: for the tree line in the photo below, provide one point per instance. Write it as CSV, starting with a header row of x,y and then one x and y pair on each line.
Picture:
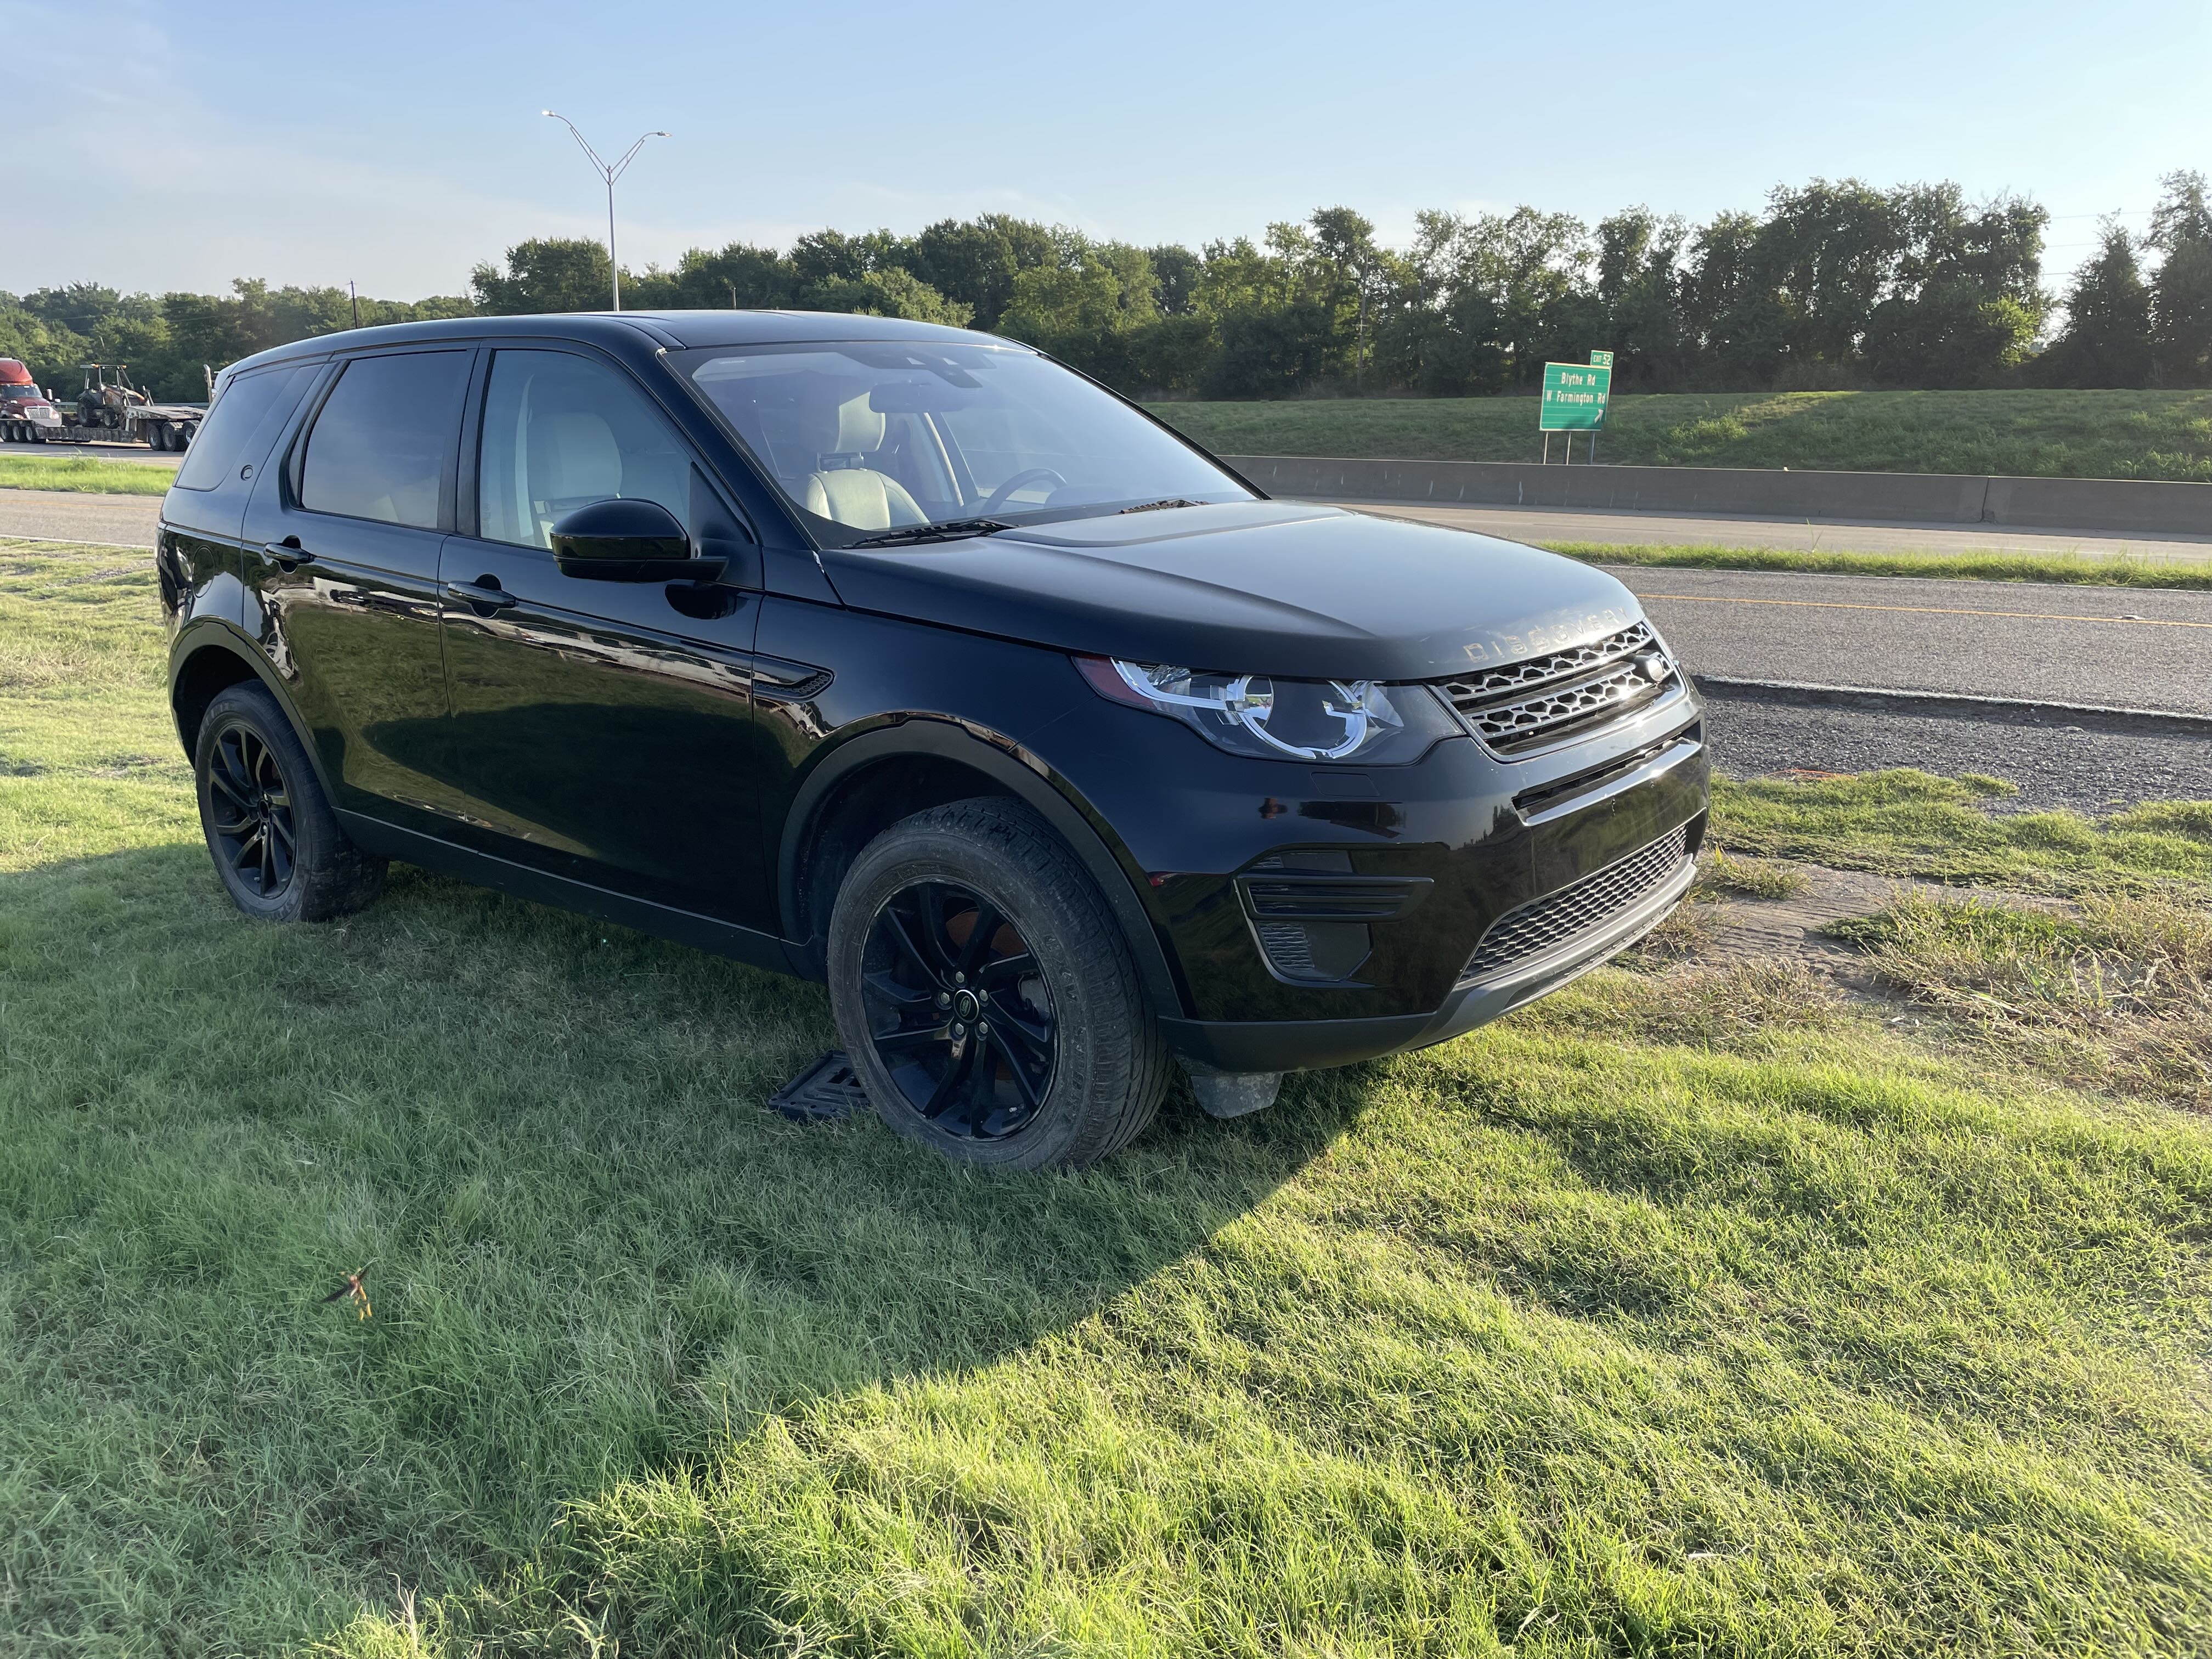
x,y
1831,285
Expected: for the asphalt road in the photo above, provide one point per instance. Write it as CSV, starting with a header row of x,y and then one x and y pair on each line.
x,y
63,515
2088,764
1539,524
2112,647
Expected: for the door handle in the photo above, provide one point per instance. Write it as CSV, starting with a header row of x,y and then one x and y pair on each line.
x,y
484,598
288,554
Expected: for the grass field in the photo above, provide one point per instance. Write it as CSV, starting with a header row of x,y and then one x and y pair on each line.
x,y
2085,434
1693,1310
83,473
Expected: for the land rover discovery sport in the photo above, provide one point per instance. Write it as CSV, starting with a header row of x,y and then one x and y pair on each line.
x,y
904,658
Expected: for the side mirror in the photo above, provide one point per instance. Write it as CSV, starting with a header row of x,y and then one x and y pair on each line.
x,y
627,541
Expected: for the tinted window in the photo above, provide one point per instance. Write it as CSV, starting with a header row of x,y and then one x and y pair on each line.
x,y
384,439
561,432
241,426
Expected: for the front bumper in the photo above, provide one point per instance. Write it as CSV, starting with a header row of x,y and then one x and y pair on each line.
x,y
1300,1045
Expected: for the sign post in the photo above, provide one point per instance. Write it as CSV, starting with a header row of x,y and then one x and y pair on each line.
x,y
1575,396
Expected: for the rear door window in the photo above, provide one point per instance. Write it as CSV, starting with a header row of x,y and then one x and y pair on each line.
x,y
243,423
383,445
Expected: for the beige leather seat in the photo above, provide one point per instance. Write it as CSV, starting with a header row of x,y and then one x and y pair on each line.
x,y
574,459
853,493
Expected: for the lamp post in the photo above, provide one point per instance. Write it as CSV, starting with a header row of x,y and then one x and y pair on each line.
x,y
609,173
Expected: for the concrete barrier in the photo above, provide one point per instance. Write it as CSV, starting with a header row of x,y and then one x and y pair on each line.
x,y
2105,505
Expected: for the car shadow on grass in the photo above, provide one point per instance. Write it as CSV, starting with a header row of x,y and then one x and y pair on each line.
x,y
591,1252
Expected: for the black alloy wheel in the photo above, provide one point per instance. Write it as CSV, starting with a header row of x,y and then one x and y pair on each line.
x,y
959,1011
987,996
251,824
276,845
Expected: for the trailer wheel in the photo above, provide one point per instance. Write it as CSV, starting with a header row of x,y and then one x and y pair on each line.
x,y
158,437
185,434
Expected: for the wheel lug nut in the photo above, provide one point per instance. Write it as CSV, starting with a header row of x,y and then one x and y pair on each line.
x,y
944,999
981,1030
960,979
958,1029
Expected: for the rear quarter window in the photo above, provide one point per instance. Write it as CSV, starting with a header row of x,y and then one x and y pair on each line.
x,y
241,426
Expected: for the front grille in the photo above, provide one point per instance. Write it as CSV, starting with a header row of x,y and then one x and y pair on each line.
x,y
1544,700
1543,924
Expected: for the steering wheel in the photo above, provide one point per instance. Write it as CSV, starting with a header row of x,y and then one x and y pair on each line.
x,y
1036,474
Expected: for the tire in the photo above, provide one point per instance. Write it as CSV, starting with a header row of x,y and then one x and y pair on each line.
x,y
157,437
1056,964
276,845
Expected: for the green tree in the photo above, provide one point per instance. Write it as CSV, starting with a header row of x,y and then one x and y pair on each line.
x,y
1175,269
2181,309
2107,340
1639,285
889,292
552,273
1089,309
976,261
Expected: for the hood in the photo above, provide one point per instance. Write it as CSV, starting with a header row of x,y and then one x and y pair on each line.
x,y
1285,588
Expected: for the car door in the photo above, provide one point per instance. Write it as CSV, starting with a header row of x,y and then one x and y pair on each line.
x,y
342,557
604,729
199,547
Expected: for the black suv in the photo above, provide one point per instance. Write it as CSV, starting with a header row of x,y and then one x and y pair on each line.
x,y
904,658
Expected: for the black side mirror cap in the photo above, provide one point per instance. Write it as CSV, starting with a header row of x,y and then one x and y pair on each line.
x,y
629,541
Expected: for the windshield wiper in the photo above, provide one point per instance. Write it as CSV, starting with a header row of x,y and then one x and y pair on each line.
x,y
951,530
1156,507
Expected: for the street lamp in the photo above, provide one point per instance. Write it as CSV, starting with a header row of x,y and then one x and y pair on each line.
x,y
609,173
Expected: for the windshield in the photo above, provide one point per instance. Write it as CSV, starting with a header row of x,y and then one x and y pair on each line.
x,y
871,437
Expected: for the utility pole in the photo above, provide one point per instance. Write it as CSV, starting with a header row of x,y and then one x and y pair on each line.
x,y
609,173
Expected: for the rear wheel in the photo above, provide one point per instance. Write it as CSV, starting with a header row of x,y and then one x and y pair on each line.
x,y
157,437
986,996
275,843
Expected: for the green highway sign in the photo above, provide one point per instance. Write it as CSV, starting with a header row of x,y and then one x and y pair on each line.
x,y
1601,360
1574,398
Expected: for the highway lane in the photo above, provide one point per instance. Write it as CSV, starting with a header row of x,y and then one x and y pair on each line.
x,y
66,515
1539,524
2115,648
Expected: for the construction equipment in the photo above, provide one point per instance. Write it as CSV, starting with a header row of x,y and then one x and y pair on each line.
x,y
110,409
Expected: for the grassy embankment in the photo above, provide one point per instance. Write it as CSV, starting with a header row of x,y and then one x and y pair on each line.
x,y
2086,435
85,475
1694,1310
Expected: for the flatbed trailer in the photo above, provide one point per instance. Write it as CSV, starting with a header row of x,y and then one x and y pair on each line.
x,y
108,411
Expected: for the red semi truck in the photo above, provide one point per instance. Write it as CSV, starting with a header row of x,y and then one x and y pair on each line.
x,y
26,414
110,410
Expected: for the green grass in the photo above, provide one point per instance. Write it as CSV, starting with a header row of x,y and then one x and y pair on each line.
x,y
2033,434
1688,1311
2117,991
82,473
1979,565
1908,823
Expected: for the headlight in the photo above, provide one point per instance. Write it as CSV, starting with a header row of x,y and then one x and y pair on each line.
x,y
1282,720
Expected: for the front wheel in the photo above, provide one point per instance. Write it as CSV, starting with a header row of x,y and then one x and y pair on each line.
x,y
275,843
986,996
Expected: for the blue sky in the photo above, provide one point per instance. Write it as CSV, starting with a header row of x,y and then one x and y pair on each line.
x,y
396,143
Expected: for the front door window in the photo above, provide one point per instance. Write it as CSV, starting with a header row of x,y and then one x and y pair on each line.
x,y
561,432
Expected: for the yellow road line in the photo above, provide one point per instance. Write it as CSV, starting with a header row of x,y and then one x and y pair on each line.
x,y
1925,610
